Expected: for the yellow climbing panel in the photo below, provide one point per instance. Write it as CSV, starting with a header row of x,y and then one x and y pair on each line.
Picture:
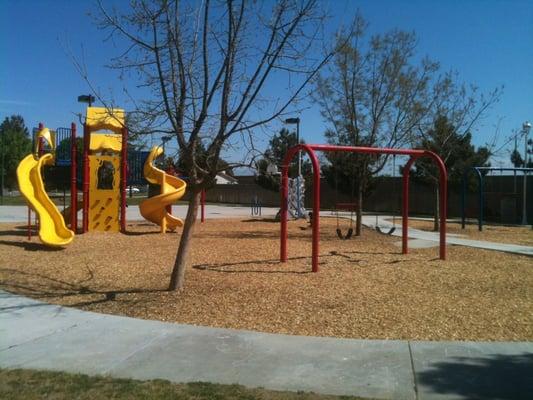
x,y
104,193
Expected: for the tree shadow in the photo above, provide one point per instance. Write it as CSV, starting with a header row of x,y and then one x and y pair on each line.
x,y
141,233
496,376
220,267
44,286
269,220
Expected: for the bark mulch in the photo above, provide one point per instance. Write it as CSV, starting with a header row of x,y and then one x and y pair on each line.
x,y
365,289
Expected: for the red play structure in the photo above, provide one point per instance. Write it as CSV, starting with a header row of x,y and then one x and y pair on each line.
x,y
310,149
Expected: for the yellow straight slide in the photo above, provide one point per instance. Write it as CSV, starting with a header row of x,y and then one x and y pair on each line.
x,y
172,189
52,228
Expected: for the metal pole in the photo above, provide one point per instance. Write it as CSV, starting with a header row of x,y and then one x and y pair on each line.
x,y
202,206
524,200
526,126
86,177
3,173
124,176
73,179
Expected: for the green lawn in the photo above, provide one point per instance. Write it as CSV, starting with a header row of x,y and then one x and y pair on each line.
x,y
31,384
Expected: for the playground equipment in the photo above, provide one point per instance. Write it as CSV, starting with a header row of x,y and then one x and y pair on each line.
x,y
310,149
154,209
481,184
104,170
104,177
296,200
52,228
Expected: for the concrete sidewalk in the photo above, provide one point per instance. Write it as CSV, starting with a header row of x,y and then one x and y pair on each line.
x,y
426,239
20,213
42,336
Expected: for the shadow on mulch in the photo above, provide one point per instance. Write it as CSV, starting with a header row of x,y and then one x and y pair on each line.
x,y
220,267
140,233
49,287
14,233
31,246
270,220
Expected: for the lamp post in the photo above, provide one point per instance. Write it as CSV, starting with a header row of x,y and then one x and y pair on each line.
x,y
165,139
526,126
3,172
86,98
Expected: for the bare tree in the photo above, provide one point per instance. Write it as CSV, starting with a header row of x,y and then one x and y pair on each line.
x,y
456,111
374,94
209,68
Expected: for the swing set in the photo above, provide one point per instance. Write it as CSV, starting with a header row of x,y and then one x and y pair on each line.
x,y
311,150
352,208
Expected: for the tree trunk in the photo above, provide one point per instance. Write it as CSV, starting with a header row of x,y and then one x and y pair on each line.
x,y
359,219
177,278
436,210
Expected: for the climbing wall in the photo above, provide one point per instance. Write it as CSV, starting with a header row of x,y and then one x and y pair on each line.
x,y
104,193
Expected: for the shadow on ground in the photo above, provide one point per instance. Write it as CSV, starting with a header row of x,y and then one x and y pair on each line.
x,y
496,376
41,286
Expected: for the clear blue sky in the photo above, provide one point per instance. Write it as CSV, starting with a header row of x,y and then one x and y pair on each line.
x,y
489,43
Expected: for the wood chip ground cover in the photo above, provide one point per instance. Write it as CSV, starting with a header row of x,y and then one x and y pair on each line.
x,y
365,289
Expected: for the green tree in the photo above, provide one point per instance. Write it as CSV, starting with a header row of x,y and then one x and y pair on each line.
x,y
278,146
15,144
460,155
518,161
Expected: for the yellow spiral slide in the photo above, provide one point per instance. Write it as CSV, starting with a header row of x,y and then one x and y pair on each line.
x,y
172,189
52,228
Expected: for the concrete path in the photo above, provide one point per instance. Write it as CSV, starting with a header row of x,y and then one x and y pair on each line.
x,y
418,238
425,239
43,336
20,213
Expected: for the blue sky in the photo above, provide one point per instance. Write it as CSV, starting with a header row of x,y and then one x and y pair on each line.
x,y
489,43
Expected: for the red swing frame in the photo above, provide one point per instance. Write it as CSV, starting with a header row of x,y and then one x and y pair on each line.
x,y
311,150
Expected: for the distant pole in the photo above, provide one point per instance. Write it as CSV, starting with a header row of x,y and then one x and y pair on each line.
x,y
3,172
526,126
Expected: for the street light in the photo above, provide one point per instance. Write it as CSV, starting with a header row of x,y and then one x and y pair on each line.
x,y
165,139
86,98
526,126
3,172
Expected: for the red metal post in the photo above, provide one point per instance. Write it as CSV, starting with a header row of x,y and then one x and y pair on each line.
x,y
29,223
73,179
124,176
202,206
316,203
86,177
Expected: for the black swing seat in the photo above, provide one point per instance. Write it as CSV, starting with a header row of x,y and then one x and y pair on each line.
x,y
348,235
389,232
352,208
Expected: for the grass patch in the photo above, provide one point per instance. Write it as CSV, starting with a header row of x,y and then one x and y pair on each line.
x,y
31,384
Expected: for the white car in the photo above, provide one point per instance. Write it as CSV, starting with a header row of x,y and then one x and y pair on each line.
x,y
134,189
